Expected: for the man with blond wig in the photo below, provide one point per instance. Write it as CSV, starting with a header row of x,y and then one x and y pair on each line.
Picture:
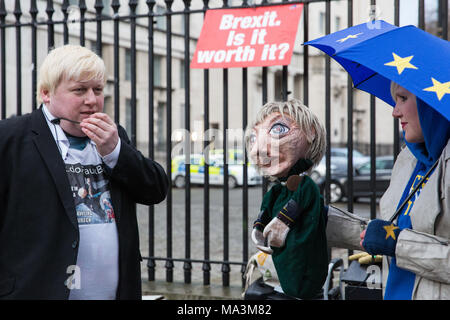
x,y
69,187
286,141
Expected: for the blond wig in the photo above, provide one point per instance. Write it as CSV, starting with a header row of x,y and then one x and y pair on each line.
x,y
70,62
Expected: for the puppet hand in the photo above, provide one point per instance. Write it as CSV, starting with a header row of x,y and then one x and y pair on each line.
x,y
276,232
259,241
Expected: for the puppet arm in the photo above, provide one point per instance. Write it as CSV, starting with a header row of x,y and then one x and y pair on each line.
x,y
276,231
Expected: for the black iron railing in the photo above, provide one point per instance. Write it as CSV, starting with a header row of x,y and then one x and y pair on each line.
x,y
14,17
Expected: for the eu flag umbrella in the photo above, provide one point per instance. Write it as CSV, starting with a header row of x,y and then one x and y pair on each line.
x,y
376,53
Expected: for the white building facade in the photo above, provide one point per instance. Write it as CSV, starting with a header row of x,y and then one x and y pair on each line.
x,y
316,80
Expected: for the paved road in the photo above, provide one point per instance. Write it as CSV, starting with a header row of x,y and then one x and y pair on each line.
x,y
235,237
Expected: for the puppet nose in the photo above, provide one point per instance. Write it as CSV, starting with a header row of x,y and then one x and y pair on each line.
x,y
263,150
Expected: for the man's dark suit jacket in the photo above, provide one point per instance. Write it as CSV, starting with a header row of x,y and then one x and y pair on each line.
x,y
39,232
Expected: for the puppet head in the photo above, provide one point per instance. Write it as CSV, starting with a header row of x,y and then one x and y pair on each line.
x,y
281,135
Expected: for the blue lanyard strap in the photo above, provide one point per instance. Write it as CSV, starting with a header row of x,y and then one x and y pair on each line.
x,y
397,212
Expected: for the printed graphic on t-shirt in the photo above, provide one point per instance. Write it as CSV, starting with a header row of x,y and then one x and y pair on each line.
x,y
90,190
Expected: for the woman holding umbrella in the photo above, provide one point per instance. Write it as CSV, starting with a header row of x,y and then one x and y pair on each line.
x,y
413,77
418,241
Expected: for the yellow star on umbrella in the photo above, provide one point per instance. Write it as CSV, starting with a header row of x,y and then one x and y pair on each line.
x,y
401,63
390,231
350,36
440,88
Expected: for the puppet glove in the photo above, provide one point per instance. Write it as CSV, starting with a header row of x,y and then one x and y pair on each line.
x,y
276,231
260,241
381,237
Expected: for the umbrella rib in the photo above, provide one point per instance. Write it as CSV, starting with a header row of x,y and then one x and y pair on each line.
x,y
357,66
359,83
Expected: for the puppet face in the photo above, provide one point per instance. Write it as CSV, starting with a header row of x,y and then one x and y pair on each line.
x,y
276,144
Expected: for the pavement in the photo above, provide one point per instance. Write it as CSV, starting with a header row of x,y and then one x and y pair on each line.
x,y
196,290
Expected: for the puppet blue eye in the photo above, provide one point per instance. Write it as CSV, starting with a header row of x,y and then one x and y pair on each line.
x,y
252,138
279,129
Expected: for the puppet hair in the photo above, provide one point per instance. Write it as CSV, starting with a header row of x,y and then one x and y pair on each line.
x,y
71,62
308,122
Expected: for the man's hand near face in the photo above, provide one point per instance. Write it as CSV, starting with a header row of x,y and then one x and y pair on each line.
x,y
102,130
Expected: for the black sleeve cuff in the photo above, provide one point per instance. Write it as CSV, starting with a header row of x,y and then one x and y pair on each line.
x,y
290,213
260,221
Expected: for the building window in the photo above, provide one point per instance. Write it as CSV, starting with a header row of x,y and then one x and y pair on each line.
x,y
91,45
127,64
298,87
182,24
182,74
338,23
108,107
160,126
160,20
157,71
182,111
359,129
278,89
106,7
128,116
322,22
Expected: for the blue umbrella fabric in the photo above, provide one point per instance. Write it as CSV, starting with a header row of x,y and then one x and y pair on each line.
x,y
376,53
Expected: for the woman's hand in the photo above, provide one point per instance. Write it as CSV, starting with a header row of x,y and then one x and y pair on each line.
x,y
361,236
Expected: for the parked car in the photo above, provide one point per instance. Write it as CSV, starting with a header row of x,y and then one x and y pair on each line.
x,y
358,157
338,163
216,176
361,180
338,169
362,186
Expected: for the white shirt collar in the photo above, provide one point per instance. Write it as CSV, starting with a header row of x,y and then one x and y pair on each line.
x,y
58,133
63,143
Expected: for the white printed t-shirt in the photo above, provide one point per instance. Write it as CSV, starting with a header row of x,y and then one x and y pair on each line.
x,y
96,274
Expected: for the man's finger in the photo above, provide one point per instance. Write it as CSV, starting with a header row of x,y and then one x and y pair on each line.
x,y
103,116
91,135
100,122
96,129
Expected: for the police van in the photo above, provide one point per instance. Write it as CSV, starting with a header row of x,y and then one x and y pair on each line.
x,y
216,170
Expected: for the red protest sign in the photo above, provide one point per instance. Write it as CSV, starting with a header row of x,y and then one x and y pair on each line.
x,y
247,37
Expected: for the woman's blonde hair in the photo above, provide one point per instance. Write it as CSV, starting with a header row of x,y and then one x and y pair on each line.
x,y
71,62
308,122
394,86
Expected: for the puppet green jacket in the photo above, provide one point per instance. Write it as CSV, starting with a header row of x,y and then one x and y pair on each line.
x,y
302,262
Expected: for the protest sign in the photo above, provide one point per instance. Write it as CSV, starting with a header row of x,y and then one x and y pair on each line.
x,y
247,37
